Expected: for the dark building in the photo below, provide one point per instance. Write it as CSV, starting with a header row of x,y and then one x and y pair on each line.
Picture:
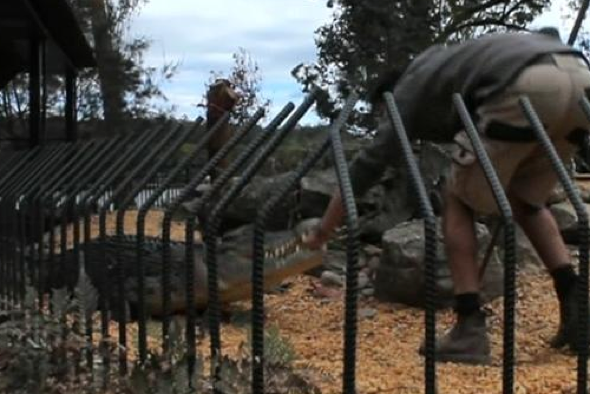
x,y
41,38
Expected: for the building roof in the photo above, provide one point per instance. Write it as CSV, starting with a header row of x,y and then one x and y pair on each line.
x,y
54,19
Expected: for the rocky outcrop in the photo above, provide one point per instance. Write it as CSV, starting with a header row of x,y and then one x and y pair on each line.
x,y
244,209
400,274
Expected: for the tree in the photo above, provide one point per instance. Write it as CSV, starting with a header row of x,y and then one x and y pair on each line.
x,y
367,37
246,78
121,86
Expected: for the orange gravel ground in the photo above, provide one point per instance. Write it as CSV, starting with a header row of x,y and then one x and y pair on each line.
x,y
387,344
387,359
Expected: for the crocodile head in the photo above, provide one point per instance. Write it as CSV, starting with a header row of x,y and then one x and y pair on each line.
x,y
285,256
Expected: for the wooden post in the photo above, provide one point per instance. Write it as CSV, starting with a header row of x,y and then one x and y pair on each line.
x,y
71,129
34,91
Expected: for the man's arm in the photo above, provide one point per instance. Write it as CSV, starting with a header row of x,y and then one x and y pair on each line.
x,y
365,171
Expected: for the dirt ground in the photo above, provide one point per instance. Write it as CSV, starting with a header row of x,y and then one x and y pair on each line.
x,y
387,358
390,334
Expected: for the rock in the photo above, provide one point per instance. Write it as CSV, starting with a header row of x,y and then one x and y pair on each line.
x,y
400,275
368,292
558,195
384,206
372,250
324,292
363,280
367,313
330,278
527,258
565,216
374,262
334,260
243,209
316,190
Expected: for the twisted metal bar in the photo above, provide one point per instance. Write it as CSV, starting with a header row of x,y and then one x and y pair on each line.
x,y
6,241
80,181
352,267
430,240
189,269
19,172
201,144
151,170
509,243
8,207
262,218
45,198
573,195
15,160
212,222
106,180
119,191
27,183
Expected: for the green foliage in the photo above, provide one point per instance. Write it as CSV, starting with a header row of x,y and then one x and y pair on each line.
x,y
366,38
38,348
138,84
41,352
280,373
246,78
167,373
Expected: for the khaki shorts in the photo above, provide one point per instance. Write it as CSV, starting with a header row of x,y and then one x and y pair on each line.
x,y
523,167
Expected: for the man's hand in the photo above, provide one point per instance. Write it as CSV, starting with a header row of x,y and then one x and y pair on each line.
x,y
316,239
332,218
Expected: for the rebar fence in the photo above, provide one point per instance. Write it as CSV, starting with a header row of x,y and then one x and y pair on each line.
x,y
56,201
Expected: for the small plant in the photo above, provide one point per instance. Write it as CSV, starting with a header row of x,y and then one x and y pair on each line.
x,y
281,375
43,351
41,348
168,373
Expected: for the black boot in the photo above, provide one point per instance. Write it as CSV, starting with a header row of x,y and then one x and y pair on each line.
x,y
559,340
566,286
467,342
567,333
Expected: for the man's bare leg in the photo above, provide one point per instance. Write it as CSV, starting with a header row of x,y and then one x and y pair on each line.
x,y
461,244
467,341
541,228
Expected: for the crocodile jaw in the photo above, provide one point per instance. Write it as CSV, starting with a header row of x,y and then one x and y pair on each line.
x,y
284,259
274,273
276,270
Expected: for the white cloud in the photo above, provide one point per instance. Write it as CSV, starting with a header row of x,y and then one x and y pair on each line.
x,y
279,34
203,35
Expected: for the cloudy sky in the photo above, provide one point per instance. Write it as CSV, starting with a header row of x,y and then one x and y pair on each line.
x,y
203,34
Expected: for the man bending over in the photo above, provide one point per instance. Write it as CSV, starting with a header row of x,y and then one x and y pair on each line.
x,y
490,73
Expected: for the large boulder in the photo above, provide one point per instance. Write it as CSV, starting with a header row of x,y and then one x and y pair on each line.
x,y
527,258
567,220
316,189
434,161
400,274
382,207
260,189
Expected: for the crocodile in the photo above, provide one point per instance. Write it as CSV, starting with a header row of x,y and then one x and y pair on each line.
x,y
285,256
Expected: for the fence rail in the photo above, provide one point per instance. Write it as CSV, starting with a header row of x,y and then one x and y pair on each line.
x,y
68,185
